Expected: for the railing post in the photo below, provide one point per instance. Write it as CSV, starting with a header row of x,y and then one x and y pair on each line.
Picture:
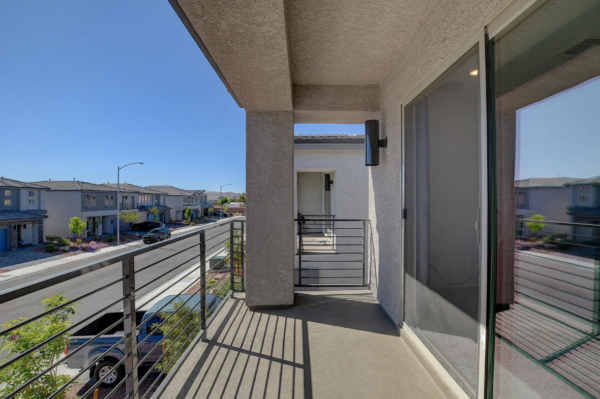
x,y
202,237
242,246
365,246
596,312
299,251
231,257
129,328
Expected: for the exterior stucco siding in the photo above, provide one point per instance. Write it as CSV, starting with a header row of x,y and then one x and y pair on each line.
x,y
61,206
447,27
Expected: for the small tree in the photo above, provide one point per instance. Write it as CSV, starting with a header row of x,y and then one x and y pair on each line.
x,y
154,211
536,227
225,208
77,226
210,211
128,218
242,198
188,214
224,200
26,337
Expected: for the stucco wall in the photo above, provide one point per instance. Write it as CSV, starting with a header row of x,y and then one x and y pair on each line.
x,y
270,235
61,206
350,196
446,28
175,202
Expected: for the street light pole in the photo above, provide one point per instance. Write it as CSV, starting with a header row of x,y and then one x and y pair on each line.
x,y
220,195
119,200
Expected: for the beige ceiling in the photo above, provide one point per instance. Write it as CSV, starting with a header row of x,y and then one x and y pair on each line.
x,y
350,42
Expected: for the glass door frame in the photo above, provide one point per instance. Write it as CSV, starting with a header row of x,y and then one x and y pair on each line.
x,y
479,40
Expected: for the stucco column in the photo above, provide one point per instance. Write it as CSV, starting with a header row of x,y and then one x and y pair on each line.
x,y
270,209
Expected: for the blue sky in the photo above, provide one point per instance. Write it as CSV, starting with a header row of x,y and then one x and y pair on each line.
x,y
89,85
560,135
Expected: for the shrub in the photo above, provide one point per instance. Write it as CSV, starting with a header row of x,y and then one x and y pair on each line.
x,y
65,242
110,239
51,238
16,341
79,241
50,248
537,226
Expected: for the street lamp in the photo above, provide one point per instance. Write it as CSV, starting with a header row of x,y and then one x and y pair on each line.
x,y
220,195
118,201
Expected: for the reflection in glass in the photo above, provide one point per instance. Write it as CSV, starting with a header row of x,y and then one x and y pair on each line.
x,y
443,191
548,139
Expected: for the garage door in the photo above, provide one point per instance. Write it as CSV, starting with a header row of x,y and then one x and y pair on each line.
x,y
3,240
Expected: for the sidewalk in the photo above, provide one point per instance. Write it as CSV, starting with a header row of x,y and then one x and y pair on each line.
x,y
28,268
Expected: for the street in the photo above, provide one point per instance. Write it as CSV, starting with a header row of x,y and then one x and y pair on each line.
x,y
29,305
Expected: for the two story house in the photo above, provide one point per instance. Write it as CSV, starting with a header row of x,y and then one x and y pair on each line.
x,y
95,203
584,207
179,200
142,200
203,204
22,213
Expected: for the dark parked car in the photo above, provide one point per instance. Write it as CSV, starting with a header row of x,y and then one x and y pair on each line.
x,y
147,226
156,235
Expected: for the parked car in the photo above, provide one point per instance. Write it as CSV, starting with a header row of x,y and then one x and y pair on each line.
x,y
156,235
146,321
220,214
147,226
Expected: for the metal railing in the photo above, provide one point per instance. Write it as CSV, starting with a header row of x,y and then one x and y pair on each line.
x,y
196,280
127,205
554,320
331,253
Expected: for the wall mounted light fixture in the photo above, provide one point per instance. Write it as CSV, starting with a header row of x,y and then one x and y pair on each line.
x,y
373,143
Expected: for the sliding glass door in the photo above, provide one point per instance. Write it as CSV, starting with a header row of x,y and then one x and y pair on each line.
x,y
443,201
547,269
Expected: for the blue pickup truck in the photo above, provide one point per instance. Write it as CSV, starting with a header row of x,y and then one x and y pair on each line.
x,y
146,321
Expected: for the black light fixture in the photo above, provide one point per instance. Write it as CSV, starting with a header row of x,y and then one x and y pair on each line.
x,y
373,143
328,182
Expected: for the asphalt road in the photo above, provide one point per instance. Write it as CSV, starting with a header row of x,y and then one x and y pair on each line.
x,y
29,305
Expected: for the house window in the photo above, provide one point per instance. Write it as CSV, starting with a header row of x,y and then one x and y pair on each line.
x,y
185,200
145,199
110,200
7,193
7,202
32,194
31,202
90,200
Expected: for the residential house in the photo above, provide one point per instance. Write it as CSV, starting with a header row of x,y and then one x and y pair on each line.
x,y
142,200
202,201
22,214
546,196
178,200
584,207
95,203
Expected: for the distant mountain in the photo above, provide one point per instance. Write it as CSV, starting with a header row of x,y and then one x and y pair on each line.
x,y
214,195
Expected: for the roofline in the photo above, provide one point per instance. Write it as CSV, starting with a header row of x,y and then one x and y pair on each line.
x,y
186,22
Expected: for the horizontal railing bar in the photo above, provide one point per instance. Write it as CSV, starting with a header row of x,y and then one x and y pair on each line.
x,y
353,268
555,233
320,216
556,289
53,366
168,257
565,243
70,302
321,277
172,313
332,261
217,235
332,228
165,273
167,349
562,262
170,361
331,285
97,384
172,284
46,341
558,279
115,389
336,220
222,243
552,296
560,223
37,285
582,318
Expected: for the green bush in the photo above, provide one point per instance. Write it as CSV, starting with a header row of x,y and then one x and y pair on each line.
x,y
110,238
51,238
64,242
50,248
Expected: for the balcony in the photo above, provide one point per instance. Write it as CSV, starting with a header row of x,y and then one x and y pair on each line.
x,y
127,206
204,340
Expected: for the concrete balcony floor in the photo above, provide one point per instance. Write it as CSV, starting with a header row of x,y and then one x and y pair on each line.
x,y
331,344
